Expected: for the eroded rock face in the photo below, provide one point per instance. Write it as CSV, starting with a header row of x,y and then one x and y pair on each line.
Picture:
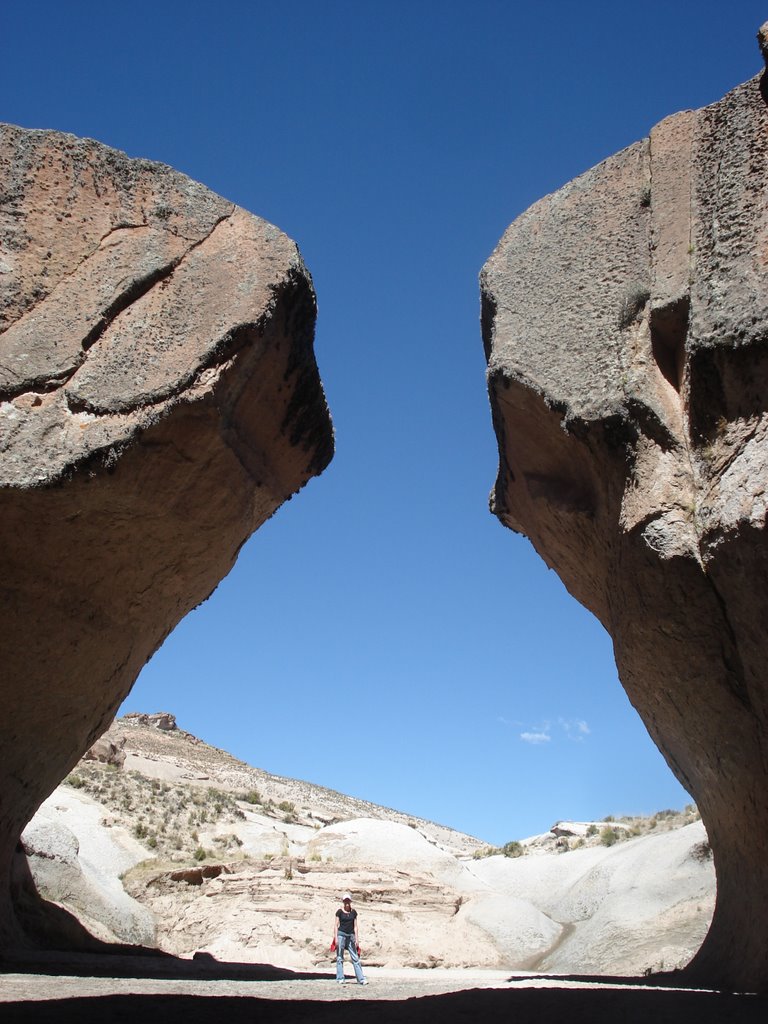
x,y
159,399
625,321
108,749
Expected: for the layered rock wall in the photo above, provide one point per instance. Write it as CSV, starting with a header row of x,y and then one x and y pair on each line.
x,y
159,399
625,320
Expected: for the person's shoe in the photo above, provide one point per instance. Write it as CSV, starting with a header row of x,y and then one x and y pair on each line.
x,y
339,982
363,982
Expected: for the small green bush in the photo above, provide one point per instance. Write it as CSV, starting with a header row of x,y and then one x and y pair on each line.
x,y
251,797
608,836
199,853
513,849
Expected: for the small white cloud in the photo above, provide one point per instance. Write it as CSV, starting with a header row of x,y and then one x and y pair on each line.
x,y
575,728
535,737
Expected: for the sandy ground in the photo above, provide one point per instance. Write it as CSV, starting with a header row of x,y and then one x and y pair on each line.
x,y
116,989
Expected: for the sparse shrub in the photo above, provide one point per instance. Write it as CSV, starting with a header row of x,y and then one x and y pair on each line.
x,y
251,797
513,849
152,842
592,830
140,830
634,301
199,853
702,851
608,836
75,781
287,806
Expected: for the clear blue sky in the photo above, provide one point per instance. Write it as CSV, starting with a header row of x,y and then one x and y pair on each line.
x,y
383,634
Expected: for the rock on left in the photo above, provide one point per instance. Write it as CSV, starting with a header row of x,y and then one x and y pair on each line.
x,y
159,399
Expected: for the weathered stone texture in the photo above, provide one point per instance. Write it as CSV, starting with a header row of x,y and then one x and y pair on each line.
x,y
159,399
625,322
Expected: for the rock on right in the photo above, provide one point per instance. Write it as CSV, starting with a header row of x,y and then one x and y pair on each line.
x,y
625,325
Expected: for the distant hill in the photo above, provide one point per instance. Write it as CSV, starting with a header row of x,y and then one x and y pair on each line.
x,y
158,837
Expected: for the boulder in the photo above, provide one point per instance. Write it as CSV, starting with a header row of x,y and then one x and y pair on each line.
x,y
84,886
625,321
159,399
108,749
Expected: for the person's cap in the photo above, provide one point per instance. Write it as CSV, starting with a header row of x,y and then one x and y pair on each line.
x,y
346,897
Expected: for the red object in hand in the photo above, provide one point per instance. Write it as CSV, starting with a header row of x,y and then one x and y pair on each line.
x,y
333,946
359,950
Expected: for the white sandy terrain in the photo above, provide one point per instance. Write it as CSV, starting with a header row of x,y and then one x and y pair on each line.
x,y
77,860
269,877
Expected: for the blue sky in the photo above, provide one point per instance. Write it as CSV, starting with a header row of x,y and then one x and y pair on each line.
x,y
383,634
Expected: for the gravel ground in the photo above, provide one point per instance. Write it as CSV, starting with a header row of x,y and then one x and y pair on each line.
x,y
123,989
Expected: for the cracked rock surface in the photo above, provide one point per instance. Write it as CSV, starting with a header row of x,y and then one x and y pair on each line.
x,y
159,399
625,320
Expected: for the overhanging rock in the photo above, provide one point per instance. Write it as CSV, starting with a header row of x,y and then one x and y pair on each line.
x,y
159,399
625,320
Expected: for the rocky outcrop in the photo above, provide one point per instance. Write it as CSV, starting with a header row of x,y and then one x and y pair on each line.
x,y
162,720
159,399
108,749
625,322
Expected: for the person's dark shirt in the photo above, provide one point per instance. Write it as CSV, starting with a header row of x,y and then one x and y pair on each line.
x,y
346,921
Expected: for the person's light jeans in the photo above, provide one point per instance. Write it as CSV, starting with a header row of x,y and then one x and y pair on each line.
x,y
347,942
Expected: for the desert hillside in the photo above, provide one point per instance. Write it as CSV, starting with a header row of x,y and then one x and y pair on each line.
x,y
159,838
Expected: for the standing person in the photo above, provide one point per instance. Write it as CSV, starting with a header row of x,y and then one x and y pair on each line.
x,y
345,937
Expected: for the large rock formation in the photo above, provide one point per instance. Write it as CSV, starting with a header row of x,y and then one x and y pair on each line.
x,y
159,399
625,321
